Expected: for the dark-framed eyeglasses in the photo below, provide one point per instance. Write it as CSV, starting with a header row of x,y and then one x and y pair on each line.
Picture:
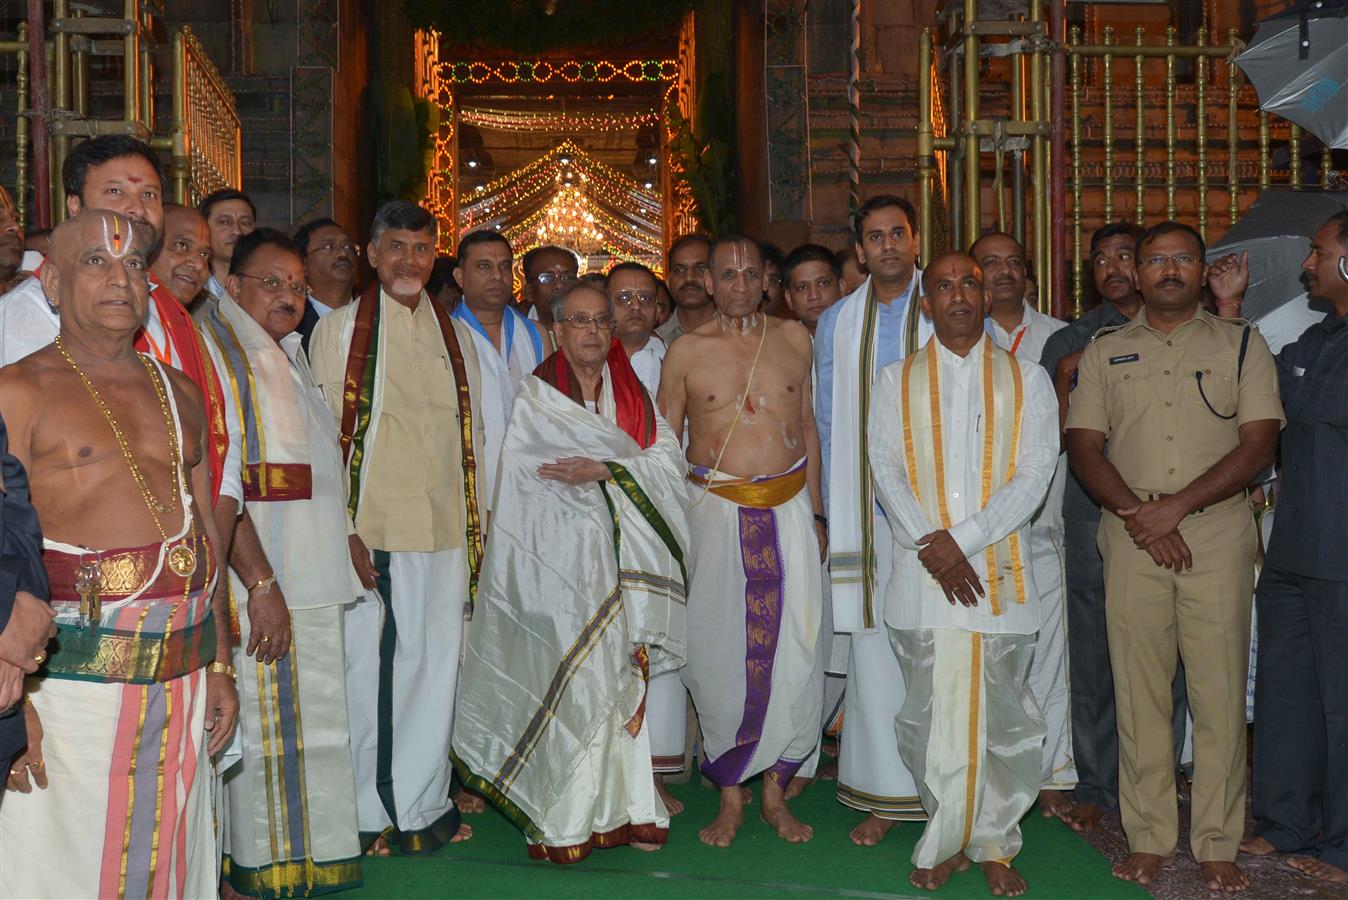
x,y
582,322
275,285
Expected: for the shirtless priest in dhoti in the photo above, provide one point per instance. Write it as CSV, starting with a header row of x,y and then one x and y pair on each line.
x,y
741,383
138,692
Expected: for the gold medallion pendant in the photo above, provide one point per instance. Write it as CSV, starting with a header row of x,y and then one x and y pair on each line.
x,y
182,560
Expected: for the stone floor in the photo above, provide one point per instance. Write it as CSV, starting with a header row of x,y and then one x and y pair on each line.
x,y
1271,878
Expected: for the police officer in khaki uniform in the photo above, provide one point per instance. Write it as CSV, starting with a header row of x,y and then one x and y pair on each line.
x,y
1189,405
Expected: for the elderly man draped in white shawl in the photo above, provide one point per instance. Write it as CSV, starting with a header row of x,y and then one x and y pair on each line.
x,y
289,826
581,600
960,466
401,378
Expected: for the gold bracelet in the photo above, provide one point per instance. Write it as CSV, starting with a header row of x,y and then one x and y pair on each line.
x,y
219,668
262,586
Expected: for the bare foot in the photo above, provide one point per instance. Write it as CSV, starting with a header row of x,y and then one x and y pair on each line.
x,y
1003,879
468,802
1054,804
1257,846
1318,869
672,806
1140,867
777,814
829,770
380,847
1223,876
798,784
747,794
465,832
1083,817
871,831
645,848
728,819
932,879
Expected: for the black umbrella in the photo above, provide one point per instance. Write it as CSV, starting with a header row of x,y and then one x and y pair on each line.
x,y
1276,231
1298,63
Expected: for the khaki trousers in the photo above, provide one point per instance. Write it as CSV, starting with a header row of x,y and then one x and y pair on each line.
x,y
1202,615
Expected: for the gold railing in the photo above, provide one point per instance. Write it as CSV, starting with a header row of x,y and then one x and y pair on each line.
x,y
1141,141
1204,114
19,47
206,138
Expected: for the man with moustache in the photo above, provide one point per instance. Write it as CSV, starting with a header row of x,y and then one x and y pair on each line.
x,y
741,383
1019,328
229,214
401,379
1095,747
688,266
296,759
182,263
587,550
1301,685
11,242
330,257
509,345
961,606
879,323
548,271
1188,403
812,278
631,291
139,692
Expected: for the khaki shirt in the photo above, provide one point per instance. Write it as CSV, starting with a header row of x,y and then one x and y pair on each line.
x,y
413,496
1137,385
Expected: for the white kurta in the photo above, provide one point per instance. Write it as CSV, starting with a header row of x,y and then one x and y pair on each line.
x,y
502,370
1049,670
914,599
969,730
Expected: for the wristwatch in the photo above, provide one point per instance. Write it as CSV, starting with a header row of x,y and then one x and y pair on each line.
x,y
219,668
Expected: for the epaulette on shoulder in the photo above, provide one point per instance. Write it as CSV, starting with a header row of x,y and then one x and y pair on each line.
x,y
1108,330
1238,322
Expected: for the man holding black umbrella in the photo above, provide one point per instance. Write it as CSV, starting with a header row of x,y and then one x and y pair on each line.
x,y
1301,688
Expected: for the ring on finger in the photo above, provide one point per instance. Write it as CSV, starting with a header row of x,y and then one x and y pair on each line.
x,y
266,639
37,765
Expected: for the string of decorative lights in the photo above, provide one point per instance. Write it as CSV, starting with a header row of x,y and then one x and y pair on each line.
x,y
519,120
571,71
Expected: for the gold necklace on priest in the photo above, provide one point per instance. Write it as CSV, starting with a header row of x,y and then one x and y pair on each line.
x,y
182,559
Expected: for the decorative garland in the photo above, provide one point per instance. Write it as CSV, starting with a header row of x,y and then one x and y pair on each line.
x,y
518,120
532,26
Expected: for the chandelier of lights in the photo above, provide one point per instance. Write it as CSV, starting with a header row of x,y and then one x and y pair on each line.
x,y
568,221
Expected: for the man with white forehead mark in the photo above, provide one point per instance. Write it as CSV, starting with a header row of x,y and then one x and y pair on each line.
x,y
740,385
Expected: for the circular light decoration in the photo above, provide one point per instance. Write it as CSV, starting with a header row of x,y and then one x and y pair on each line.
x,y
568,221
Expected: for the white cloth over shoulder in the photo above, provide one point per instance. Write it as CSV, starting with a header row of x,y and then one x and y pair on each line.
x,y
581,598
914,599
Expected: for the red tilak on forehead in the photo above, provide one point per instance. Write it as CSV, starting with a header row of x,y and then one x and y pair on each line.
x,y
134,179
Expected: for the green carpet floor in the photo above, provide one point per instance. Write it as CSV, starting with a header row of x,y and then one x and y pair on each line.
x,y
1057,864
